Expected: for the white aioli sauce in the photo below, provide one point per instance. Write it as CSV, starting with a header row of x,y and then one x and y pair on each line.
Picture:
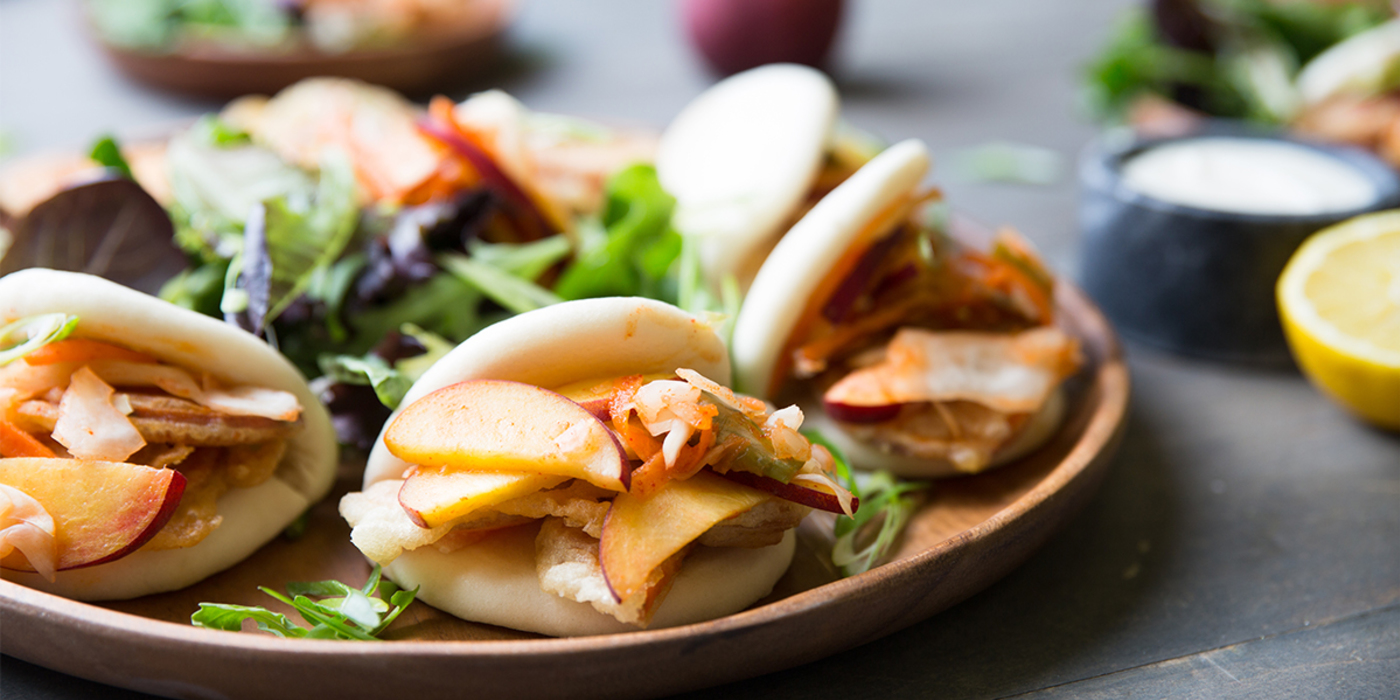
x,y
1248,176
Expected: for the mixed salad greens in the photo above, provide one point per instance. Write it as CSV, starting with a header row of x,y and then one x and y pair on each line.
x,y
365,251
1224,58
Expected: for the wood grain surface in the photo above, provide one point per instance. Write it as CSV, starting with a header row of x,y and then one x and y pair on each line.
x,y
969,532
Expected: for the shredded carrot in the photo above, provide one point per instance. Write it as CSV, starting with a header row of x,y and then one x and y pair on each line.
x,y
83,350
692,457
637,437
17,443
699,415
649,477
624,391
1002,275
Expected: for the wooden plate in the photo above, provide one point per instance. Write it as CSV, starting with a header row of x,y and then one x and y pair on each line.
x,y
970,532
417,67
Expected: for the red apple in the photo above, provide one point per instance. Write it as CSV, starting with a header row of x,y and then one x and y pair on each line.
x,y
640,534
436,496
797,493
102,511
497,426
736,35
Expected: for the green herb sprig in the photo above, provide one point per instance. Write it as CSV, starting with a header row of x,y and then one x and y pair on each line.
x,y
356,614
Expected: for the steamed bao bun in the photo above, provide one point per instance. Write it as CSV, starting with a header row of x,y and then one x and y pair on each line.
x,y
796,270
251,516
740,160
494,581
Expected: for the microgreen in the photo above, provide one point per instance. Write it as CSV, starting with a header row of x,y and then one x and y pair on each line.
x,y
342,612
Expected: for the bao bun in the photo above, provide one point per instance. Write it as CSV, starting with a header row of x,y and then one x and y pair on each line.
x,y
741,158
251,516
796,269
494,581
813,246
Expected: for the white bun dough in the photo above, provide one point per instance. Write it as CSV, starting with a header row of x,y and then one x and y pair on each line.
x,y
251,517
741,158
813,246
494,581
862,454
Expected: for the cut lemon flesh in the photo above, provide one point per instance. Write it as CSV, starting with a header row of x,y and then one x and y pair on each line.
x,y
1339,300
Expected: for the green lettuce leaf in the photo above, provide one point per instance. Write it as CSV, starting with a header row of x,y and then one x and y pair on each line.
x,y
637,249
389,384
108,154
515,294
283,251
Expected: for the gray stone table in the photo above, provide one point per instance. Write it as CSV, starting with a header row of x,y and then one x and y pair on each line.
x,y
1246,542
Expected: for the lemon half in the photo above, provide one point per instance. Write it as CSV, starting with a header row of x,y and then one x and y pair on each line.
x,y
1339,300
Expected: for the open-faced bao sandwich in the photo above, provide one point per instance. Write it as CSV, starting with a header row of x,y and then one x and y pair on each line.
x,y
915,352
578,470
145,446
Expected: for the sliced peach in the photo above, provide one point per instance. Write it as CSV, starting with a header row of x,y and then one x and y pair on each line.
x,y
499,426
797,493
436,496
641,533
598,395
102,511
594,396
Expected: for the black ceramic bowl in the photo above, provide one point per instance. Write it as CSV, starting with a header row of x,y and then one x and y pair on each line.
x,y
1196,281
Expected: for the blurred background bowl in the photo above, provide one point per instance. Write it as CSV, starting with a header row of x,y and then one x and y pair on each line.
x,y
415,65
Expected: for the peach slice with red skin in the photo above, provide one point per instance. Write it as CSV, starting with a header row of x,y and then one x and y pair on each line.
x,y
797,493
640,534
489,425
102,511
437,496
594,396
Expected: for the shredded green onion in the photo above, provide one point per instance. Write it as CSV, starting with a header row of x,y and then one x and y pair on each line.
x,y
885,503
19,338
